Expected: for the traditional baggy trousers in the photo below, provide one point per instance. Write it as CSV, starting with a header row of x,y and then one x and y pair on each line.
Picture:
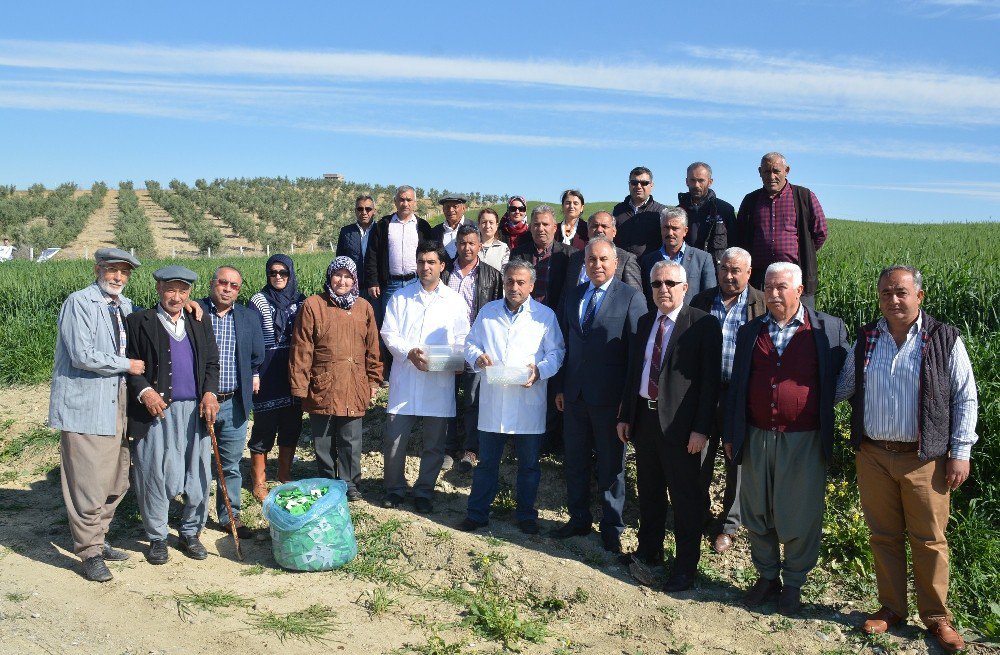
x,y
173,459
94,472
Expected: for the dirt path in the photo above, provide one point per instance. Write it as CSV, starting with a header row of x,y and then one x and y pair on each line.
x,y
422,569
99,231
168,237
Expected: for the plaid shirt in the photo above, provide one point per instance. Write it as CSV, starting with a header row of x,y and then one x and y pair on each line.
x,y
782,335
542,261
775,235
465,285
225,337
731,319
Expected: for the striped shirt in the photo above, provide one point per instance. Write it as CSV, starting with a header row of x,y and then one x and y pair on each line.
x,y
782,335
892,390
731,320
225,338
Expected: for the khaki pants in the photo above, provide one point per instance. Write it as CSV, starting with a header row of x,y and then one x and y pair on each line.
x,y
94,480
903,495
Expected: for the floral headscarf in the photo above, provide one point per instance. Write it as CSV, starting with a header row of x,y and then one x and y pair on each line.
x,y
345,301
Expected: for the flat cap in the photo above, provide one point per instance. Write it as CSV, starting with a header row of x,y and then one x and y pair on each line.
x,y
115,256
458,199
175,273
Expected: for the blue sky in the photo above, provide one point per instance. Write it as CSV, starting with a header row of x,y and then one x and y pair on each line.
x,y
887,110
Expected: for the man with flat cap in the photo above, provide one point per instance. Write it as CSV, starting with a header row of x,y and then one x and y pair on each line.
x,y
87,405
446,233
165,404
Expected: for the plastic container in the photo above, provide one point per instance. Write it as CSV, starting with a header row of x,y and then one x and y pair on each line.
x,y
322,538
507,375
444,357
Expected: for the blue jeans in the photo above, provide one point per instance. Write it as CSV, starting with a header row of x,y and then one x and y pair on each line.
x,y
485,477
232,438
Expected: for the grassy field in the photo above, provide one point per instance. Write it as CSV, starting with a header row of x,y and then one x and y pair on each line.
x,y
956,260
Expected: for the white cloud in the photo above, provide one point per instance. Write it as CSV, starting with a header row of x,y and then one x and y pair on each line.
x,y
985,190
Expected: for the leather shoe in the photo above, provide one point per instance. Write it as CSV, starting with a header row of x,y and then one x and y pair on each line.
x,y
946,635
113,554
422,505
528,526
468,525
568,530
192,547
469,461
157,553
761,591
880,621
678,582
95,570
392,501
612,544
789,601
722,543
353,495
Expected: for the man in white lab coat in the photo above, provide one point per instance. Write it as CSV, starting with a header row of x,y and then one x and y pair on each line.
x,y
515,331
429,313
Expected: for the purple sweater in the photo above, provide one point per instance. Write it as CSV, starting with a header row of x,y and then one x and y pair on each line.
x,y
182,369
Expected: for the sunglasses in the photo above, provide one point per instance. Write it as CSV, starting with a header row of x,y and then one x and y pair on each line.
x,y
364,209
226,283
642,183
656,284
277,274
515,208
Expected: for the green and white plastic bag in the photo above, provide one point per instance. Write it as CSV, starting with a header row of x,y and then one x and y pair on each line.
x,y
316,534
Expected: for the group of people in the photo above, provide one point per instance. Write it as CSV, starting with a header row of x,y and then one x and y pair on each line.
x,y
683,330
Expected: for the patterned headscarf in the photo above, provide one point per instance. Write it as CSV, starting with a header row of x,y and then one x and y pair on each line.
x,y
345,301
515,231
285,301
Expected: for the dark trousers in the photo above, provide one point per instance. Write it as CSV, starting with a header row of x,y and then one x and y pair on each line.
x,y
286,422
467,415
589,429
663,468
337,440
728,522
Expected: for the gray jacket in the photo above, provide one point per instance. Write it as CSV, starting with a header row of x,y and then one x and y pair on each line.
x,y
85,378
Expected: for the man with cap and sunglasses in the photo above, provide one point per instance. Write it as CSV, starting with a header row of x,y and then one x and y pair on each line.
x,y
180,384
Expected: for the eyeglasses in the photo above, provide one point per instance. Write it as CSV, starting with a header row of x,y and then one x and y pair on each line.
x,y
656,284
226,283
642,183
277,273
515,208
124,270
364,209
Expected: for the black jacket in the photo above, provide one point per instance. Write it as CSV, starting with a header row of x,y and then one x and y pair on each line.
x,y
640,232
377,255
349,245
557,269
489,285
755,302
148,340
710,225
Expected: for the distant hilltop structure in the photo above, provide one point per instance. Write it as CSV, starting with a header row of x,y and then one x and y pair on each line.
x,y
338,177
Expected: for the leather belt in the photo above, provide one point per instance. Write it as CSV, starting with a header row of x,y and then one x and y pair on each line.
x,y
650,404
222,397
894,446
408,276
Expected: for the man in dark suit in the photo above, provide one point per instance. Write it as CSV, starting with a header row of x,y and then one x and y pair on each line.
x,y
602,224
240,341
446,233
180,384
779,425
638,216
733,303
353,239
478,283
671,391
698,264
598,320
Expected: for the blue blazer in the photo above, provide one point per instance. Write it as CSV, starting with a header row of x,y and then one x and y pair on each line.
x,y
697,264
349,245
595,365
249,354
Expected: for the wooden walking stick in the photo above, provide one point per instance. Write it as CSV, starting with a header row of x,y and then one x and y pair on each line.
x,y
225,491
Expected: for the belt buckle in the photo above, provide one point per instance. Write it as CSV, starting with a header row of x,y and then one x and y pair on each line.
x,y
651,404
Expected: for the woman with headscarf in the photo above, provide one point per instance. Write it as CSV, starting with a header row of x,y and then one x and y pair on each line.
x,y
275,412
514,224
572,231
494,251
335,371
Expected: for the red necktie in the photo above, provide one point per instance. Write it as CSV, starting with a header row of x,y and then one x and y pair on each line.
x,y
657,360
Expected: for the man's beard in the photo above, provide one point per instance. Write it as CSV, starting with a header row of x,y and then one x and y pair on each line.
x,y
107,288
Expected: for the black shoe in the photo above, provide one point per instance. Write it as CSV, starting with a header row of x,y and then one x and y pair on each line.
x,y
392,501
568,530
157,553
353,495
761,591
678,582
113,554
627,558
790,601
612,544
192,547
422,505
468,525
528,526
242,531
95,570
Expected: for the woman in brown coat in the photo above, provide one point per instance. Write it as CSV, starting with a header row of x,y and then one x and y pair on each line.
x,y
335,369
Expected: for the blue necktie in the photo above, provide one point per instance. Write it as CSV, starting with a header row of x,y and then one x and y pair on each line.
x,y
588,316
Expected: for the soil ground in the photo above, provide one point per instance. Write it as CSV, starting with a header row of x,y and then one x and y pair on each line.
x,y
408,592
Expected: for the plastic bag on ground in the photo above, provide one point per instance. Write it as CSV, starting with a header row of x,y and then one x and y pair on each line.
x,y
322,538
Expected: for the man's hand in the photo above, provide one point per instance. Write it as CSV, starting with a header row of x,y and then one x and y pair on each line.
x,y
153,402
256,384
531,378
728,447
193,308
560,402
374,292
623,432
209,407
957,472
696,443
418,358
136,366
483,361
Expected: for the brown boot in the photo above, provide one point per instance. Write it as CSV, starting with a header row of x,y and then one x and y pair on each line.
x,y
285,456
258,476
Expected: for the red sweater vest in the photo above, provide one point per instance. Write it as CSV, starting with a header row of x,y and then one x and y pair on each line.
x,y
784,390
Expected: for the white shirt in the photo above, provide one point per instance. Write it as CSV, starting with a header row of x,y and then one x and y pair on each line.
x,y
532,336
402,244
6,253
495,253
668,329
414,317
450,234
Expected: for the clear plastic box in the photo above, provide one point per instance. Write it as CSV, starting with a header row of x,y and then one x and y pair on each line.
x,y
507,375
444,357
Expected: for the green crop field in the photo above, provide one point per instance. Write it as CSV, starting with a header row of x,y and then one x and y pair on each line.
x,y
957,261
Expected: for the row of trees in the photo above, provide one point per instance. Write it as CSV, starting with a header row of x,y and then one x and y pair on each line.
x,y
132,228
202,233
47,219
